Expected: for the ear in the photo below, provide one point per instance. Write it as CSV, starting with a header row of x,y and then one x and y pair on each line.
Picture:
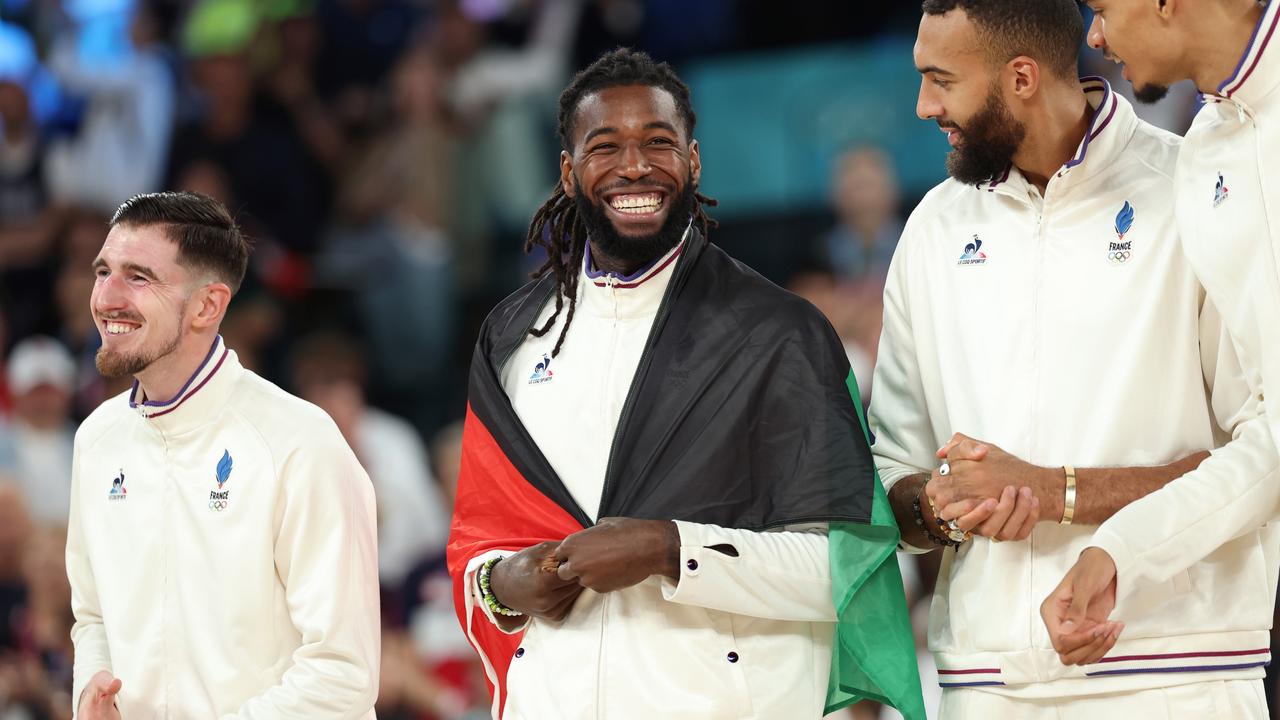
x,y
1024,77
566,174
209,305
695,162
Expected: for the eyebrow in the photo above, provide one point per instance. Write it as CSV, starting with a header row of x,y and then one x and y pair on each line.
x,y
128,267
935,70
655,125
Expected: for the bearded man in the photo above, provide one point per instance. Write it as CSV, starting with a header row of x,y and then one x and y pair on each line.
x,y
222,547
663,463
1048,358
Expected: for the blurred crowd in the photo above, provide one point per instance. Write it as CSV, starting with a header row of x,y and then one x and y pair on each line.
x,y
385,156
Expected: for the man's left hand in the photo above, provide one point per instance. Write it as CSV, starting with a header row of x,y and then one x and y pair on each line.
x,y
1077,613
979,471
617,553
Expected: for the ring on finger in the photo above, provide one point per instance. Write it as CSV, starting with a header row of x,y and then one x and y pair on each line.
x,y
944,468
954,526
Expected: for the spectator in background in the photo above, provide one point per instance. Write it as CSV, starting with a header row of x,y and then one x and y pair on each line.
x,y
37,676
329,370
42,380
27,223
245,134
114,61
15,532
866,199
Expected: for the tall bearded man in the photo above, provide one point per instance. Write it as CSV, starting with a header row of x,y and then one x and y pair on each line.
x,y
662,454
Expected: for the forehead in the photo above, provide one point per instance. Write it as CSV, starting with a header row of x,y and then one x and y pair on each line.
x,y
628,107
149,246
948,41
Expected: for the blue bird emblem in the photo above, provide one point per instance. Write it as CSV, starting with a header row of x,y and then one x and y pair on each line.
x,y
1124,220
224,468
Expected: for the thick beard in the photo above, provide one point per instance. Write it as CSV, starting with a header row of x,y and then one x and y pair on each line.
x,y
637,252
1150,94
118,365
990,140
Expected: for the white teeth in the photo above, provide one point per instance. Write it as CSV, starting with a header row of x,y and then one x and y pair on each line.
x,y
114,328
636,204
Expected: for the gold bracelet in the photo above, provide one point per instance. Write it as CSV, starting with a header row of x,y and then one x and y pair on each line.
x,y
1069,502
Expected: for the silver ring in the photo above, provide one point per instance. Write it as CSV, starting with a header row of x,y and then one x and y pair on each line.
x,y
944,468
954,526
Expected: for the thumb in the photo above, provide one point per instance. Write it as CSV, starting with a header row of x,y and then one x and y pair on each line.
x,y
113,687
1077,608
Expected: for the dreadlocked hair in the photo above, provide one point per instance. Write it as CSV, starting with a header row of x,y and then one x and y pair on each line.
x,y
556,227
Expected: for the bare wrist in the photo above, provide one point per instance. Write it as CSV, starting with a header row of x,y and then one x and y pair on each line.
x,y
1051,490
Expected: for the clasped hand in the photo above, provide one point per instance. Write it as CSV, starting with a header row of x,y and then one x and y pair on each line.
x,y
986,490
544,580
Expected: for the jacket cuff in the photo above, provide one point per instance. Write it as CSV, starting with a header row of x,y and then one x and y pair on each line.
x,y
696,585
477,596
1125,559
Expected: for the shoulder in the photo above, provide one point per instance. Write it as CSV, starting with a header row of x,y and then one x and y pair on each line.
x,y
283,421
768,308
1154,148
106,417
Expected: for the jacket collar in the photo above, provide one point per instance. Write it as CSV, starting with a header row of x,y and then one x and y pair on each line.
x,y
627,297
1258,72
1109,131
199,400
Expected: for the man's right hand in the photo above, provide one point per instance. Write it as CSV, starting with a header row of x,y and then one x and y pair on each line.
x,y
98,700
528,582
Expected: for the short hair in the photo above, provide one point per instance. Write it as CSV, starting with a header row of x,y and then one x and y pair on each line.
x,y
1048,30
619,68
207,236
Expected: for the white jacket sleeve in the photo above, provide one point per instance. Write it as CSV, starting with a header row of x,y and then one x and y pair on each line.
x,y
781,575
1234,492
88,635
905,442
327,557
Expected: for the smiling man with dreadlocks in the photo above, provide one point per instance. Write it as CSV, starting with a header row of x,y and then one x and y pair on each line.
x,y
662,451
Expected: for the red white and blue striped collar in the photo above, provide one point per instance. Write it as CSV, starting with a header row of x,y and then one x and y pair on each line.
x,y
1258,71
600,278
216,366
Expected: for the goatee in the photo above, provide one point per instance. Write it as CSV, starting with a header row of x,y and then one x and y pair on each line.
x,y
989,141
1150,94
637,251
117,365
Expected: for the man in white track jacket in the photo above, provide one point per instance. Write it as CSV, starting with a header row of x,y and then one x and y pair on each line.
x,y
1227,191
1040,304
221,549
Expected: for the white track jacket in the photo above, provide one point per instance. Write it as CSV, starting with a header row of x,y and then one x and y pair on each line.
x,y
736,637
222,553
1072,330
1228,209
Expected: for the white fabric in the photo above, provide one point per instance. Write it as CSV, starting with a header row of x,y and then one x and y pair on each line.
x,y
1232,240
265,609
1055,353
660,648
1221,700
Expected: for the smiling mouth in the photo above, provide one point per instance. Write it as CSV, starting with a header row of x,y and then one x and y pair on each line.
x,y
637,203
116,328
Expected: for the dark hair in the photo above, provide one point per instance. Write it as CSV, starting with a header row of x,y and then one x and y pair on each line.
x,y
1047,30
207,236
556,226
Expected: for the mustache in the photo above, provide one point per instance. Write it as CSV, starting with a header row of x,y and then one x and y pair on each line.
x,y
668,188
130,317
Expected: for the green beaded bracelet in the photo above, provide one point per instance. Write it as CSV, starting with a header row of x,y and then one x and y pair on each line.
x,y
486,591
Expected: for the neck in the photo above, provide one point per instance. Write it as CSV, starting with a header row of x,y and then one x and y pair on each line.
x,y
162,380
1055,128
610,264
1221,38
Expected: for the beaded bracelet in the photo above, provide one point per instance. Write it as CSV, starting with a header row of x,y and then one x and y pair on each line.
x,y
486,591
933,538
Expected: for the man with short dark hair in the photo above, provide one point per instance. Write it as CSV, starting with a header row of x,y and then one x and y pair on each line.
x,y
1227,191
656,443
222,544
1048,358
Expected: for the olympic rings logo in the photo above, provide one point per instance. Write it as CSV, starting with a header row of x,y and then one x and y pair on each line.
x,y
218,505
1119,256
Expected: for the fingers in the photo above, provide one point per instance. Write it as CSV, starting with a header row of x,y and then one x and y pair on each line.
x,y
114,687
968,508
562,607
978,515
566,572
1100,641
962,447
1021,520
1004,509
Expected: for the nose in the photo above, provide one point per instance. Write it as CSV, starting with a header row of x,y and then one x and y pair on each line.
x,y
927,107
1096,38
108,295
633,164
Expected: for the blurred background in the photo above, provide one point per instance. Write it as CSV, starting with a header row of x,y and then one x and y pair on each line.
x,y
387,156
